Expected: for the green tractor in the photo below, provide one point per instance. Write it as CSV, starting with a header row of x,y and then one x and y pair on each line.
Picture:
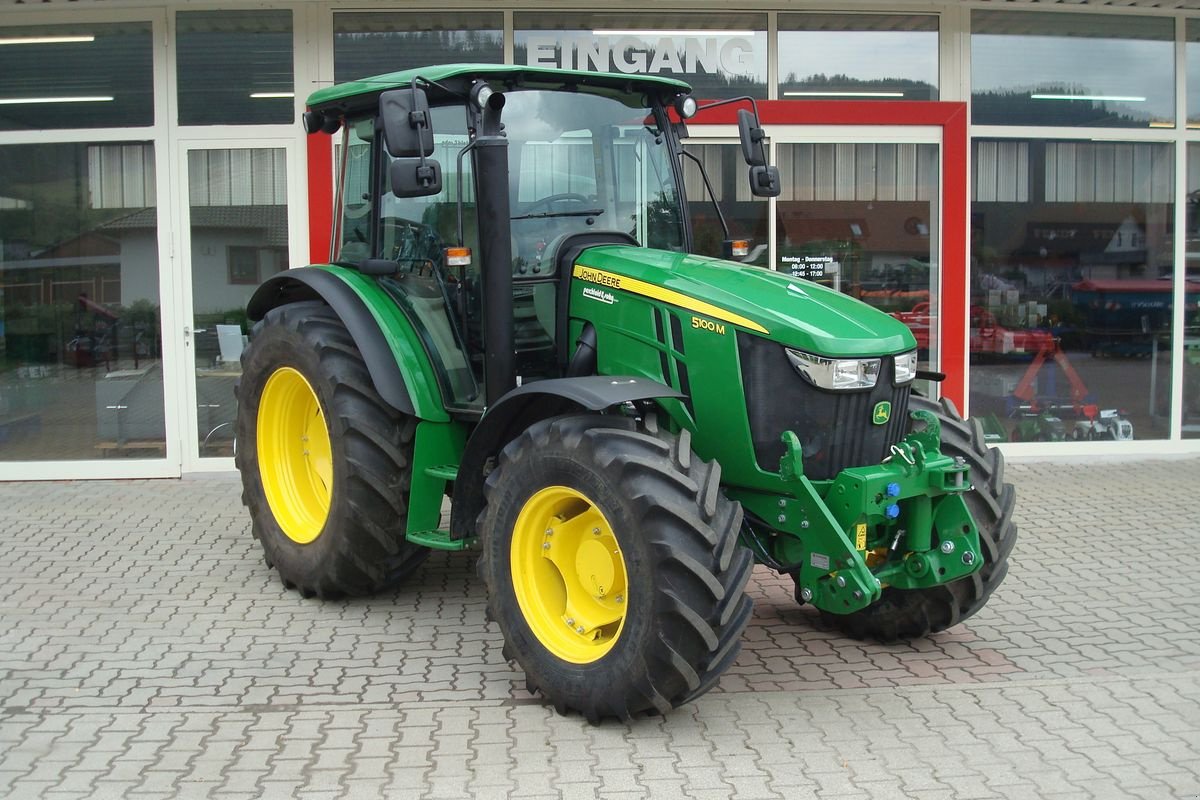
x,y
511,318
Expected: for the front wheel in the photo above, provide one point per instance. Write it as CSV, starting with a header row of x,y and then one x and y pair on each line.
x,y
612,565
911,613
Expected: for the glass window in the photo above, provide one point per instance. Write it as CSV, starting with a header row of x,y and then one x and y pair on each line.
x,y
235,67
745,214
858,56
1191,314
720,55
378,43
1033,68
80,345
95,75
1071,285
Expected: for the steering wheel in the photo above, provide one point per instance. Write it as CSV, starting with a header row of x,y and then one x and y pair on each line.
x,y
551,199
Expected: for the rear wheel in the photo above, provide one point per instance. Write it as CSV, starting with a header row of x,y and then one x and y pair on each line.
x,y
908,614
612,565
325,462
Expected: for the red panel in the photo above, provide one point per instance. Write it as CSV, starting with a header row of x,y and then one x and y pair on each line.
x,y
952,119
320,196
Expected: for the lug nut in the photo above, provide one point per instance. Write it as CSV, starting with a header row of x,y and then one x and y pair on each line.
x,y
546,546
782,503
549,531
782,518
968,557
841,581
579,629
620,598
595,531
804,524
858,595
806,594
570,621
947,547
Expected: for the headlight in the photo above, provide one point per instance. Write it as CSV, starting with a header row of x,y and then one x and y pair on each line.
x,y
835,373
906,367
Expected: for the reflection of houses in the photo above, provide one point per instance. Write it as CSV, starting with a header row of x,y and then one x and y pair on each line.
x,y
232,247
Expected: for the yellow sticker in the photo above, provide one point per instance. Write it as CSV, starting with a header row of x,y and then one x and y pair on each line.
x,y
860,536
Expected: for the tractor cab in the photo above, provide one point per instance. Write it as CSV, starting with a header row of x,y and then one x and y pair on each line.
x,y
561,161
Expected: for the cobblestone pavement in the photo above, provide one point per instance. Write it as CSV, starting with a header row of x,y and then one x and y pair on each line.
x,y
146,651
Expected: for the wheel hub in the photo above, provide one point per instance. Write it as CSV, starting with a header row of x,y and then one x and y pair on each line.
x,y
294,454
568,574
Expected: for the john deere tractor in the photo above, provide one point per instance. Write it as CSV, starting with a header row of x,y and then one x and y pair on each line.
x,y
512,319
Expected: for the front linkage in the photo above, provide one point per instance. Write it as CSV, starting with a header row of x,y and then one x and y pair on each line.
x,y
900,523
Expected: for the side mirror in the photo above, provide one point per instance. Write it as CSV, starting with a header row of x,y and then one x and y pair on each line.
x,y
415,177
407,127
764,181
752,138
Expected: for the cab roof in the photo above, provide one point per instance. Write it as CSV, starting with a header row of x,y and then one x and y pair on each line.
x,y
364,93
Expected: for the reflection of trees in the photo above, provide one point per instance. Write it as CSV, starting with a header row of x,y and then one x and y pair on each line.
x,y
913,89
363,54
1016,107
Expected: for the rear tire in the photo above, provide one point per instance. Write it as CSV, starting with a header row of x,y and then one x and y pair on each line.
x,y
561,489
907,614
332,525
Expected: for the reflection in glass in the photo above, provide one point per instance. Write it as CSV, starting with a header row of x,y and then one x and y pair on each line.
x,y
1032,68
1193,73
377,43
862,218
745,214
235,67
239,233
1191,314
1071,287
94,75
858,57
720,55
80,344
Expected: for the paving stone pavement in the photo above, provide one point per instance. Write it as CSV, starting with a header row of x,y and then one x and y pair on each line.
x,y
146,651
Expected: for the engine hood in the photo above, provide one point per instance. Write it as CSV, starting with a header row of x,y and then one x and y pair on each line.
x,y
791,311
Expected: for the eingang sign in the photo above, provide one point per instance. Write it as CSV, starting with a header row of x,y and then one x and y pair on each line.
x,y
677,54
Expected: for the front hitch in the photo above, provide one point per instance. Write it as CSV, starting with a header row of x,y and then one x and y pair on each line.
x,y
900,523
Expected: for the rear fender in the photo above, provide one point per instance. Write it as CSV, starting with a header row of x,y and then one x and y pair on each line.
x,y
520,408
398,365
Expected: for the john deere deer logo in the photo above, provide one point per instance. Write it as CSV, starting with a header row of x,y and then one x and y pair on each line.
x,y
882,412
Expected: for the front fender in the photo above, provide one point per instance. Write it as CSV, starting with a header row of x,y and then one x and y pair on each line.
x,y
389,344
520,408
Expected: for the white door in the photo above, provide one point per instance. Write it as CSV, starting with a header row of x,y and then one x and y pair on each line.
x,y
235,232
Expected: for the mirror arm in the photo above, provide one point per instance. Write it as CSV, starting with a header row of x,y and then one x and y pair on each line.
x,y
711,193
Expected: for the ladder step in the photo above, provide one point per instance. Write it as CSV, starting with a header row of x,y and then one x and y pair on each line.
x,y
438,540
446,472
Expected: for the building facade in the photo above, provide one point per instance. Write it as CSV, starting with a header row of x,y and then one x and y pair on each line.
x,y
1009,179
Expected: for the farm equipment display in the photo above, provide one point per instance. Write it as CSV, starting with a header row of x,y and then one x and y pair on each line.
x,y
511,318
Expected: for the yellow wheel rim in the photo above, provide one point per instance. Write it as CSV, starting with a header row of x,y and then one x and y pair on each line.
x,y
295,459
569,575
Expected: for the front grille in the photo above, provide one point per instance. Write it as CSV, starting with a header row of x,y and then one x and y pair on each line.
x,y
834,428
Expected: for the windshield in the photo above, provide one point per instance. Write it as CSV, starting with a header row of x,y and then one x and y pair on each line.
x,y
580,163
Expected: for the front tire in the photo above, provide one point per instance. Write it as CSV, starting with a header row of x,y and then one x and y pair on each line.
x,y
908,614
325,462
612,565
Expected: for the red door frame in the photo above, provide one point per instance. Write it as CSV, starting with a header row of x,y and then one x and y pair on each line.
x,y
953,296
950,117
